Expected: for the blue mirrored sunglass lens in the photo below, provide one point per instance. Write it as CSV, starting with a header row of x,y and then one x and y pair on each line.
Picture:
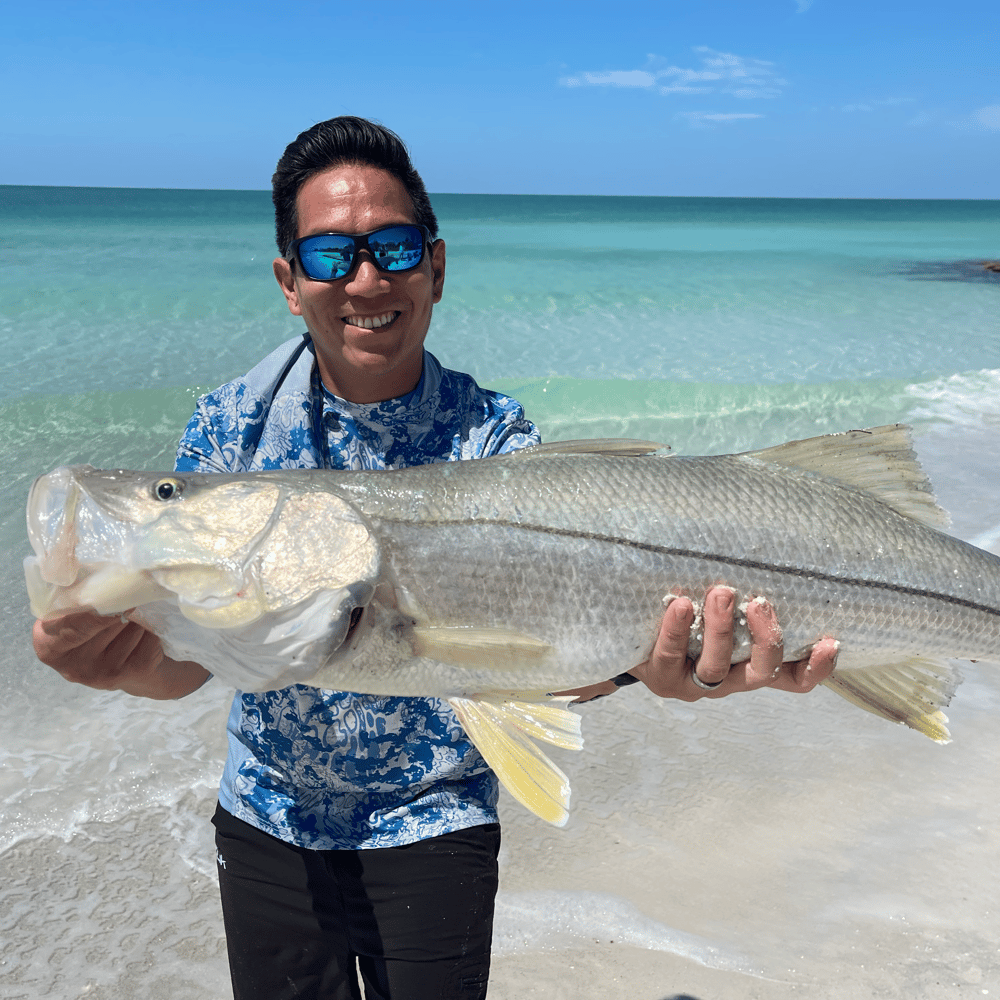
x,y
329,256
398,248
326,257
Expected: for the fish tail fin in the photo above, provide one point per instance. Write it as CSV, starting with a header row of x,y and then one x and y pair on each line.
x,y
504,727
911,692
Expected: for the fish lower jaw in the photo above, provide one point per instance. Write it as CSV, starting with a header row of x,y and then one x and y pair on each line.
x,y
108,590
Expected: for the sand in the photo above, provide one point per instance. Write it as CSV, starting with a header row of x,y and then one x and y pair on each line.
x,y
824,852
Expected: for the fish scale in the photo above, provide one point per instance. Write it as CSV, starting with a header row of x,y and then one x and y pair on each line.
x,y
492,582
791,537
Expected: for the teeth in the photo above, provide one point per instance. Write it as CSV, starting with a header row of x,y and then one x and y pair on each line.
x,y
370,322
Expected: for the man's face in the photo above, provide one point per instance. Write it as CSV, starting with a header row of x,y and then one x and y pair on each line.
x,y
368,328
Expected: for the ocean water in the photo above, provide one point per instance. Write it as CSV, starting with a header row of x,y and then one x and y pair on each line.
x,y
761,846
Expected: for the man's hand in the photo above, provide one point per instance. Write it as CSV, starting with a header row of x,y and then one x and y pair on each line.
x,y
111,654
669,672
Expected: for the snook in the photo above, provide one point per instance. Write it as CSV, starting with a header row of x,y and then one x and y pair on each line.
x,y
489,583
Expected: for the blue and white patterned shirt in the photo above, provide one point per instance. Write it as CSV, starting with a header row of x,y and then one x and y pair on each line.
x,y
329,769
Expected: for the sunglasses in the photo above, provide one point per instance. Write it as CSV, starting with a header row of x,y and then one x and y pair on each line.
x,y
330,256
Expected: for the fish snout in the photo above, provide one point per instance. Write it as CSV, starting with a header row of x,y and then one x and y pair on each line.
x,y
51,515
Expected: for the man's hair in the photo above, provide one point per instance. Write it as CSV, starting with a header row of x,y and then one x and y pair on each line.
x,y
335,143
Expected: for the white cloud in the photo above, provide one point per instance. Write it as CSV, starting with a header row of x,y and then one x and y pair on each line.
x,y
719,73
985,119
883,102
801,6
614,78
706,119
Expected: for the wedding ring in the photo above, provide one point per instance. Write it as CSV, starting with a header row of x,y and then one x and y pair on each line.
x,y
702,684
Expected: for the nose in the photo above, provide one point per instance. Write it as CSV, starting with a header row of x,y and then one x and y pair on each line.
x,y
366,279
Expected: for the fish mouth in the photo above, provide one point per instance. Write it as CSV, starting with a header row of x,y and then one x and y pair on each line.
x,y
58,581
71,525
51,516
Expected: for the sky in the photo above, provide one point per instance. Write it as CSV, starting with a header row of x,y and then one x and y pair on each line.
x,y
750,98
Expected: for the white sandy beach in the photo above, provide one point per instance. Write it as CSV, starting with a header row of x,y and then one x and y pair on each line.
x,y
822,852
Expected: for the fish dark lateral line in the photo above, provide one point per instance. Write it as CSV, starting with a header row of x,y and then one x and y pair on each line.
x,y
664,550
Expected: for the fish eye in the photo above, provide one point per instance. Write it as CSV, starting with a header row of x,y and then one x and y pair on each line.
x,y
167,489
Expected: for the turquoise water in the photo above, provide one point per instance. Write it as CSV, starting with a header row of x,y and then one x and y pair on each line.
x,y
709,324
714,323
101,284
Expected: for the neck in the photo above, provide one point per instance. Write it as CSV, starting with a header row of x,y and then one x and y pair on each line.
x,y
374,386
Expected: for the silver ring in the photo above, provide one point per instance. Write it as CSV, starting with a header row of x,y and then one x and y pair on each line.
x,y
702,684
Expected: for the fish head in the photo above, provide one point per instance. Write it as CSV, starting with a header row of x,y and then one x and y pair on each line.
x,y
229,550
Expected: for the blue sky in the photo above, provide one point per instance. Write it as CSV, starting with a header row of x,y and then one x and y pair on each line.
x,y
796,98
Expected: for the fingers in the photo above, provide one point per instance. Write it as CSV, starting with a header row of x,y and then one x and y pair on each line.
x,y
717,647
767,644
667,672
95,650
670,673
54,636
801,676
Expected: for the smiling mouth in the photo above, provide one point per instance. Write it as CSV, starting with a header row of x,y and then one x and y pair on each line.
x,y
371,322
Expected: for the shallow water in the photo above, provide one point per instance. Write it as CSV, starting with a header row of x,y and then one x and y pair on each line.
x,y
763,846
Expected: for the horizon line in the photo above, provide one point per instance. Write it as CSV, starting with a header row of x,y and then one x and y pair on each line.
x,y
510,194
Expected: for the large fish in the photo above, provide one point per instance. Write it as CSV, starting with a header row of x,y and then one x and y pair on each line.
x,y
489,583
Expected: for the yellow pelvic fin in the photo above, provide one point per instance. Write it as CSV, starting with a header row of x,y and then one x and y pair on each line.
x,y
477,647
910,692
504,729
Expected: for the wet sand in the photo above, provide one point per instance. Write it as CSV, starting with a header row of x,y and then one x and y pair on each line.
x,y
819,850
839,856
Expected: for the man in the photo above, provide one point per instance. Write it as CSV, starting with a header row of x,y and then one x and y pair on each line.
x,y
353,829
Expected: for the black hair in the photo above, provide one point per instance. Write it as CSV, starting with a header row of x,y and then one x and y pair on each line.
x,y
334,143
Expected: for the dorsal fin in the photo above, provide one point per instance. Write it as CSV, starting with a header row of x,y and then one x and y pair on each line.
x,y
595,446
879,461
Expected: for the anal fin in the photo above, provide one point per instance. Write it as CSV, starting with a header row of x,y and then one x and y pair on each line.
x,y
504,729
911,692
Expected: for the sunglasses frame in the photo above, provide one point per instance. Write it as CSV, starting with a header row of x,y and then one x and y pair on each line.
x,y
361,242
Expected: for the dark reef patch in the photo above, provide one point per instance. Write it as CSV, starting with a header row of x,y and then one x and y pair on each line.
x,y
952,270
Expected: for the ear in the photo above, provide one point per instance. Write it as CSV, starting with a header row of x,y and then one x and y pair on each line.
x,y
286,281
437,267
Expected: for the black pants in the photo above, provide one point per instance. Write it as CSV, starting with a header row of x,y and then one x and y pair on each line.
x,y
417,920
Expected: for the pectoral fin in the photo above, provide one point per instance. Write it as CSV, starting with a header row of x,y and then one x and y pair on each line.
x,y
477,647
911,692
504,729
